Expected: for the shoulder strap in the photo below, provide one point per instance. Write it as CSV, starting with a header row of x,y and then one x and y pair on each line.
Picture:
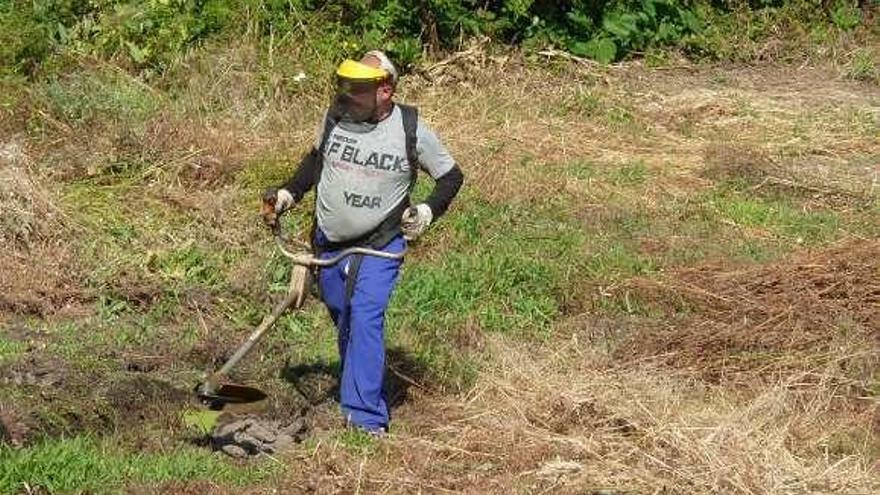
x,y
410,116
329,124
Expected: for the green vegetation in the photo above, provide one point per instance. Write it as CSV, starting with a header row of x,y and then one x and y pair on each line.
x,y
357,441
779,217
107,96
201,421
863,67
152,36
506,266
9,349
83,464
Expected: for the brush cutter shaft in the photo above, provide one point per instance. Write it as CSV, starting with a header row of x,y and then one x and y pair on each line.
x,y
296,296
267,322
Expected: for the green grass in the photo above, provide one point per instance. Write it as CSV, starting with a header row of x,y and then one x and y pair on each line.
x,y
356,441
616,261
131,235
189,263
83,464
862,67
505,272
592,104
306,335
581,170
9,349
778,216
585,103
263,172
88,96
630,174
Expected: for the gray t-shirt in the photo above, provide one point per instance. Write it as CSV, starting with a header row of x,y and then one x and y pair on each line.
x,y
366,173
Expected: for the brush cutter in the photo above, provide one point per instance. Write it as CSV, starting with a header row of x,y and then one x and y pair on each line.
x,y
216,390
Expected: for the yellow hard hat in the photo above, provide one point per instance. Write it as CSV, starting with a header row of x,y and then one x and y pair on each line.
x,y
357,71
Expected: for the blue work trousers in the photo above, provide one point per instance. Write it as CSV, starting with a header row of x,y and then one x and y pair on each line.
x,y
356,291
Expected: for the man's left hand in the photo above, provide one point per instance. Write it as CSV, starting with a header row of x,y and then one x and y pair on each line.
x,y
415,221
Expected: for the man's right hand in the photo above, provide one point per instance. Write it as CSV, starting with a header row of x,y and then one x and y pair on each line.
x,y
275,202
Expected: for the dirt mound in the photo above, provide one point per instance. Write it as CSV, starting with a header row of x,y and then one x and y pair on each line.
x,y
816,306
38,270
59,399
252,435
35,370
139,398
40,281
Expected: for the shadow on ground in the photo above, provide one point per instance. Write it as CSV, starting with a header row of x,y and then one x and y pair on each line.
x,y
318,382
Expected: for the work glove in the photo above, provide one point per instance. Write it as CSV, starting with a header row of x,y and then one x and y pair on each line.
x,y
275,202
415,221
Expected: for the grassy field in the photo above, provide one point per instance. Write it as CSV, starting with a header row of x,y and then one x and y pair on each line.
x,y
656,280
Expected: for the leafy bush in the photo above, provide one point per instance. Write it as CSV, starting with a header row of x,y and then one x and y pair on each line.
x,y
151,34
145,34
23,39
605,30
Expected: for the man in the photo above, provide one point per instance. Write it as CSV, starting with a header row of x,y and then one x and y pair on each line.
x,y
363,166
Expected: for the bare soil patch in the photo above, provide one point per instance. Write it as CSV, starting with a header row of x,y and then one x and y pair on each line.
x,y
40,281
59,399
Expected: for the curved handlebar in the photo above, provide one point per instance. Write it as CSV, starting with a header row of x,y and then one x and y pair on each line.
x,y
307,259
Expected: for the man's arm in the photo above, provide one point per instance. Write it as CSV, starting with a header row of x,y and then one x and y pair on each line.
x,y
436,160
305,177
445,189
277,200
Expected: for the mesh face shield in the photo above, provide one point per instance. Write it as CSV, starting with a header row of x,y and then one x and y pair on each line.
x,y
356,86
356,100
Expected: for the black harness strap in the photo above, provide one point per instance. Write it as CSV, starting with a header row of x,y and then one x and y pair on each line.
x,y
410,117
354,269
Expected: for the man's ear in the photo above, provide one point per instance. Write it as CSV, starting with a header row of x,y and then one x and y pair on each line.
x,y
386,90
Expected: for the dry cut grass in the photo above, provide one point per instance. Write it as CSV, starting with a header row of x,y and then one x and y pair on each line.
x,y
37,269
814,307
561,418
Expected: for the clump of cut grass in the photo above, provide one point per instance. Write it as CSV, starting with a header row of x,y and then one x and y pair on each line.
x,y
35,276
812,309
29,214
